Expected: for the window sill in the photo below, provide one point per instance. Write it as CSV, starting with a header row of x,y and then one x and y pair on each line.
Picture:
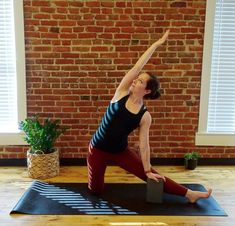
x,y
215,139
12,139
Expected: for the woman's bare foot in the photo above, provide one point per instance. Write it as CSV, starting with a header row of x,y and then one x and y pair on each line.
x,y
193,196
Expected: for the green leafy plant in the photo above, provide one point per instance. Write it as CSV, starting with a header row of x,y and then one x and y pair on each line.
x,y
41,136
192,156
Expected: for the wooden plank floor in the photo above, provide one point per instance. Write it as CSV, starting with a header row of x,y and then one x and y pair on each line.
x,y
14,181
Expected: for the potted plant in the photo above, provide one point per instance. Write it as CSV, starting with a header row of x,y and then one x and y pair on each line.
x,y
42,157
191,160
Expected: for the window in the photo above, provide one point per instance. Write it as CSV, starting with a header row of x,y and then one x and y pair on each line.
x,y
217,104
12,71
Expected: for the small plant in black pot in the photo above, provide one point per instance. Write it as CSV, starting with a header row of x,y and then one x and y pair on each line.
x,y
191,160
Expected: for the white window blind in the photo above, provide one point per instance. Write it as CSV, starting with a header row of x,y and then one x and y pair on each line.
x,y
221,110
12,72
217,99
8,87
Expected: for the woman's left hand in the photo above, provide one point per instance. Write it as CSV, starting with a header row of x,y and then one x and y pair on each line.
x,y
163,38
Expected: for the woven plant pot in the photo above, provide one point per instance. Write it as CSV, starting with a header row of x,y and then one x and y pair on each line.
x,y
43,166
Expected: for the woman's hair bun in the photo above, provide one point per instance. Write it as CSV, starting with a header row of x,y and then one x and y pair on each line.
x,y
154,86
155,95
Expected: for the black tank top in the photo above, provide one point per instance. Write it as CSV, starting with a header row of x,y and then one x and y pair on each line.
x,y
116,125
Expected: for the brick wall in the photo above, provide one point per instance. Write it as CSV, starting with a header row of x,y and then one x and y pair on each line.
x,y
78,51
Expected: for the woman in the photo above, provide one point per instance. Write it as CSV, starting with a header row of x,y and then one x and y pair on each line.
x,y
125,113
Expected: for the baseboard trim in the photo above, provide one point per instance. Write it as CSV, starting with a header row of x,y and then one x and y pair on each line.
x,y
154,161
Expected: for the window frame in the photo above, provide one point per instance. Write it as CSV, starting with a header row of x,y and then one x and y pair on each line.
x,y
17,137
203,137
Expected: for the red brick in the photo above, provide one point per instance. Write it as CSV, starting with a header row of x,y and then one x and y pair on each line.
x,y
40,3
179,4
121,4
41,16
93,4
67,23
61,3
87,35
94,29
58,16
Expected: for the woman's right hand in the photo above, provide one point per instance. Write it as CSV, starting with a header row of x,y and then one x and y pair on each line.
x,y
155,176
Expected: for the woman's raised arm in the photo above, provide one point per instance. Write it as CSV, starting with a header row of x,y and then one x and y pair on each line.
x,y
135,70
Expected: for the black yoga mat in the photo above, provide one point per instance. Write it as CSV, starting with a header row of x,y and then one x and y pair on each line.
x,y
122,199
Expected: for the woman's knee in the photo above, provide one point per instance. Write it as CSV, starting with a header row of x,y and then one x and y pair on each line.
x,y
95,190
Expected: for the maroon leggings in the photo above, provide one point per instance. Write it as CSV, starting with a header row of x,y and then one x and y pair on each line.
x,y
98,160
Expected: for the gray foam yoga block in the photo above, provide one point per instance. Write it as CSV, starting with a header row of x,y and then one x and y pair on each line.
x,y
154,191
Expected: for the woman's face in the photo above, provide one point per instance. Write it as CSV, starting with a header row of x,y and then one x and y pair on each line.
x,y
139,84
